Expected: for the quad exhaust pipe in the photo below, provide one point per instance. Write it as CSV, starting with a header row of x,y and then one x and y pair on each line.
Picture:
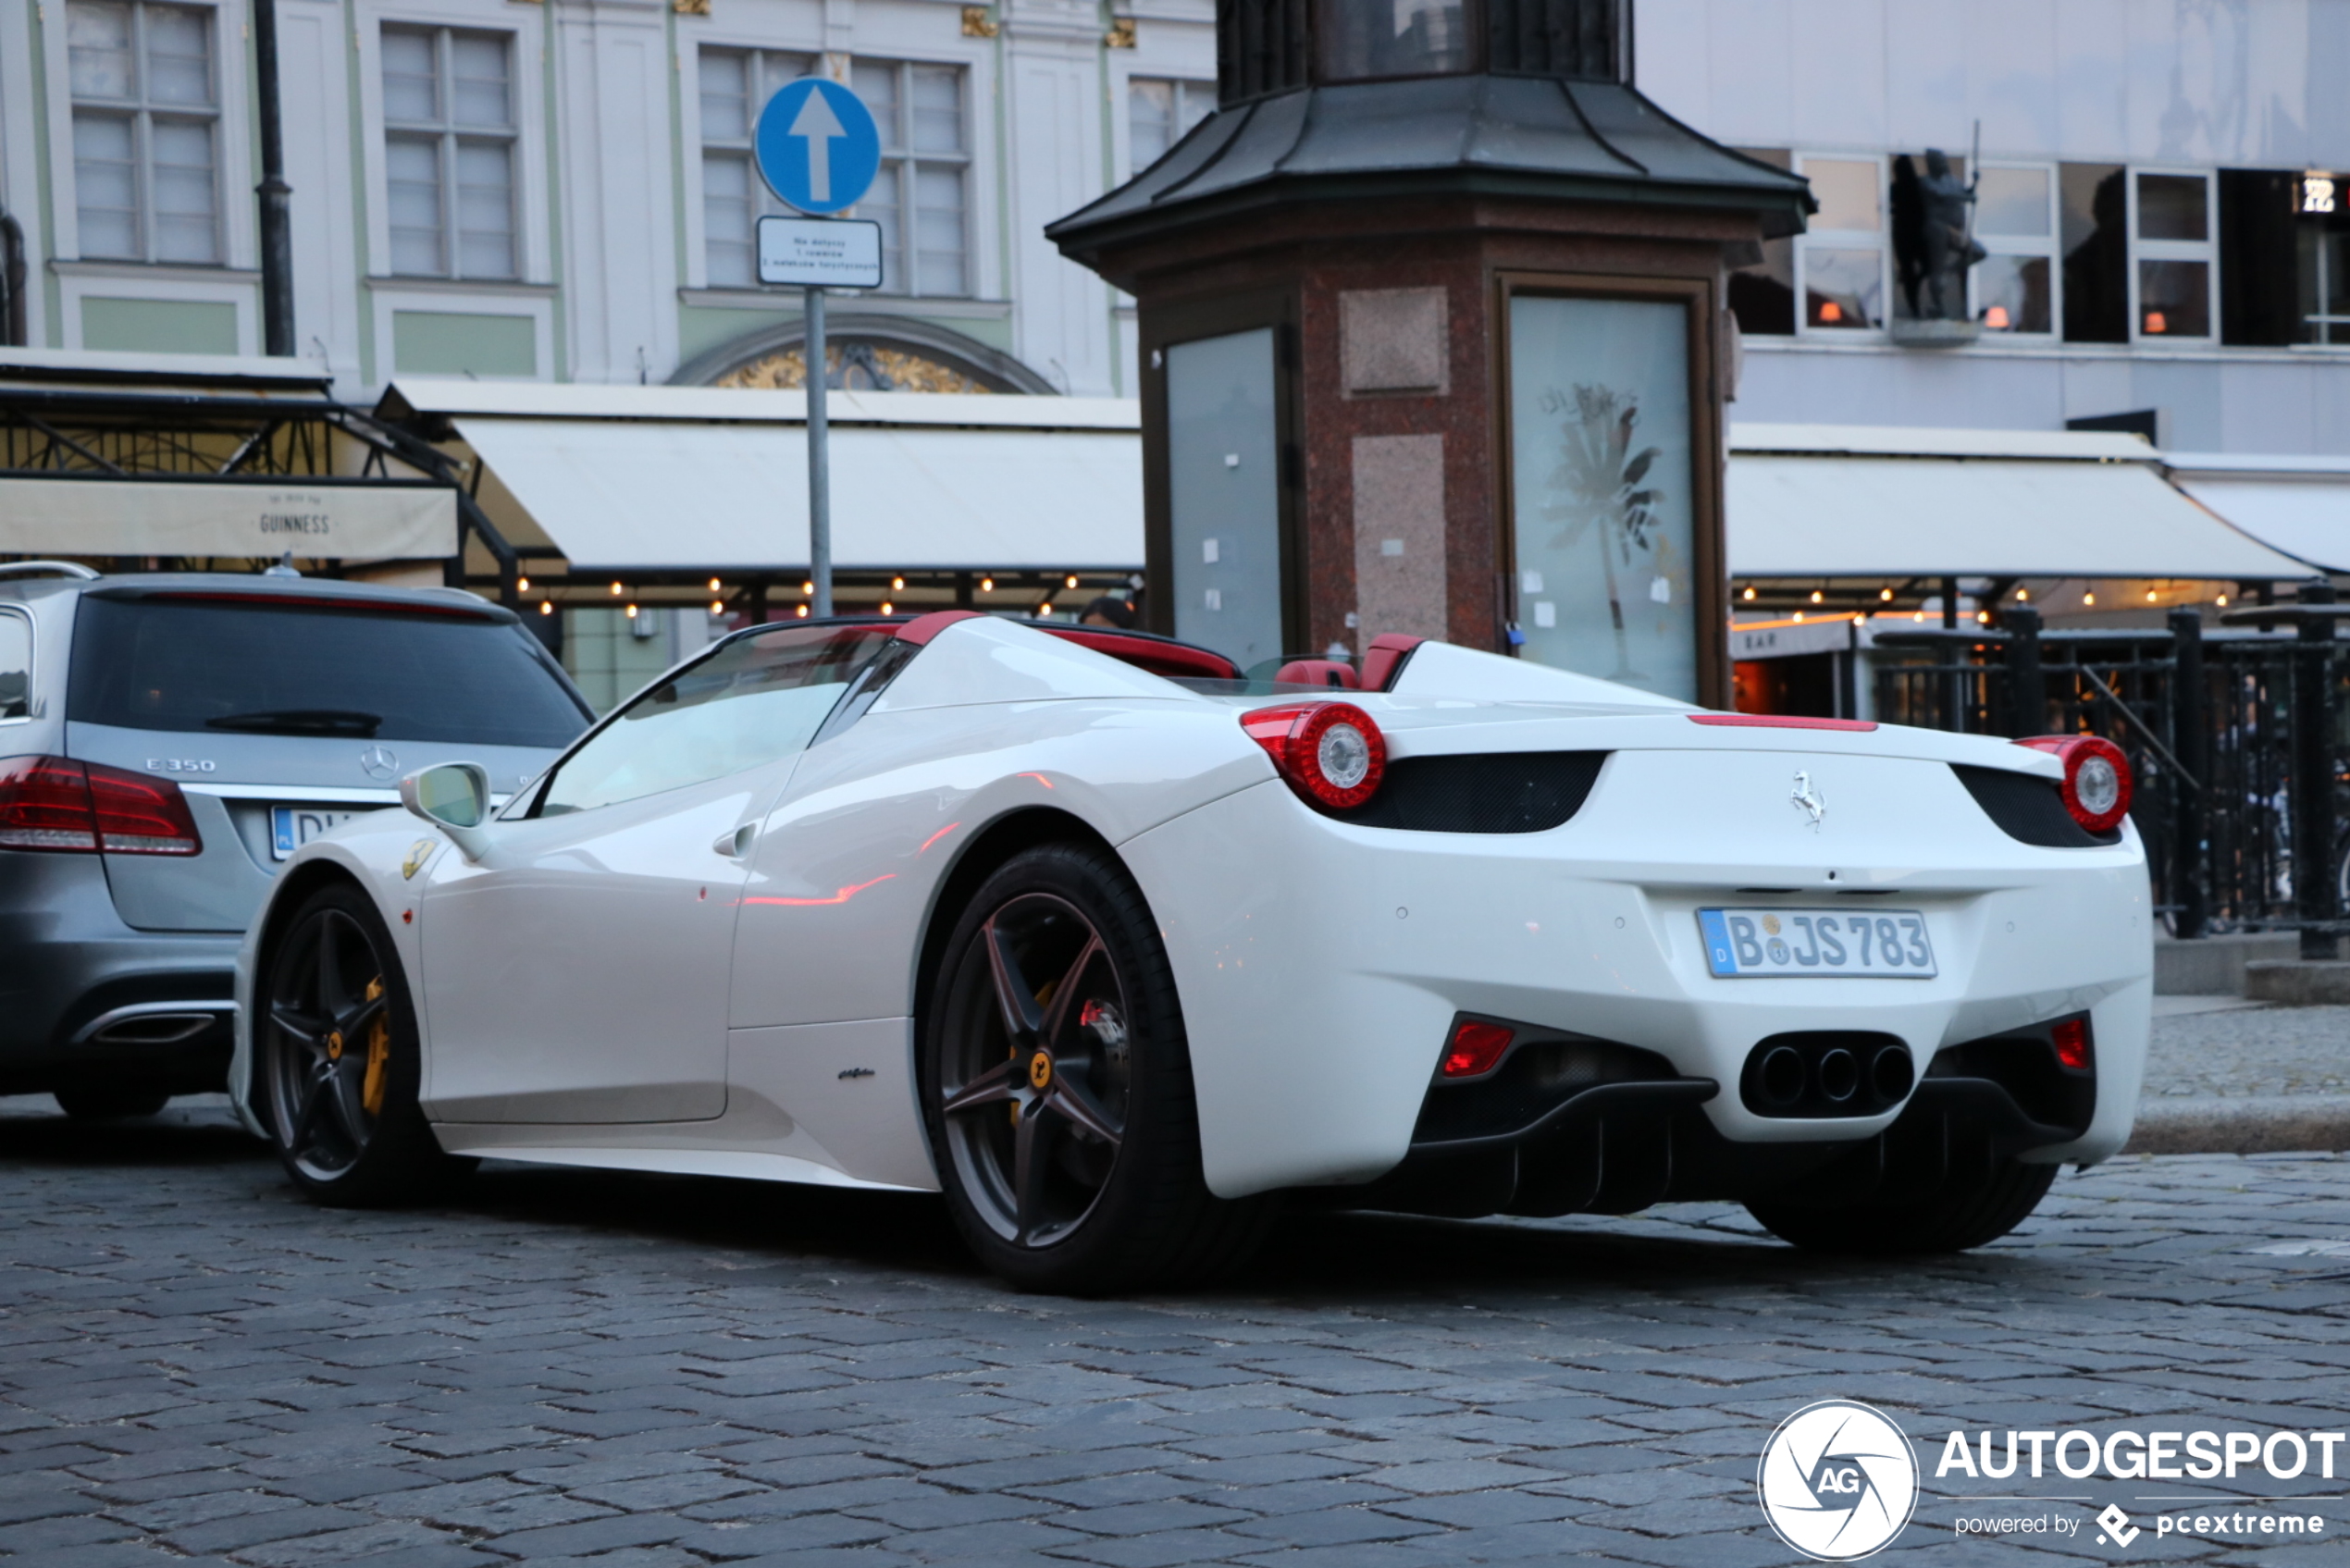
x,y
1827,1073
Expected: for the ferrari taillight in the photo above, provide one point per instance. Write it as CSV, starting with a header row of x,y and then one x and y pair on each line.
x,y
1330,753
57,804
2096,778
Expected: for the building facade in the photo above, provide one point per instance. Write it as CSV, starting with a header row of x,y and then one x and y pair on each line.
x,y
561,190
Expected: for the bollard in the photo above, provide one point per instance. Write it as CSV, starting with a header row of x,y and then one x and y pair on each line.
x,y
2027,690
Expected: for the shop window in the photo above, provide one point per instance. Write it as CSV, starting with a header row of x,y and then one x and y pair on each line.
x,y
1840,260
1159,113
1762,292
146,145
449,153
735,85
2172,221
2015,222
921,196
2095,234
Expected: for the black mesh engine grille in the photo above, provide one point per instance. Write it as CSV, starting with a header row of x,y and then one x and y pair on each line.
x,y
1490,792
2028,808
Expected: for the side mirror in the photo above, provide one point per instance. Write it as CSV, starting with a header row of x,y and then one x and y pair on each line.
x,y
453,797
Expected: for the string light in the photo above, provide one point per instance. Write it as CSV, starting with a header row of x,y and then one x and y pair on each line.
x,y
546,607
1799,616
2088,599
2149,596
1919,616
1071,580
2023,597
1885,595
717,607
632,612
2223,602
1748,594
521,585
987,585
1044,610
887,608
897,584
615,590
803,612
1816,595
713,584
809,586
1982,617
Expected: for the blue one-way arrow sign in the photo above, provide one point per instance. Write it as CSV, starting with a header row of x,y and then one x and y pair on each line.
x,y
818,146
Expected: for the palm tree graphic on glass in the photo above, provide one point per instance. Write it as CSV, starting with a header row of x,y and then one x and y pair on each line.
x,y
1598,481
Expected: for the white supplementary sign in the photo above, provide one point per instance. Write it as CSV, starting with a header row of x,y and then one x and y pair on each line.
x,y
826,252
128,517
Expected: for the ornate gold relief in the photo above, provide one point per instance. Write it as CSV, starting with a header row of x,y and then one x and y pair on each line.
x,y
691,7
1121,34
863,367
979,21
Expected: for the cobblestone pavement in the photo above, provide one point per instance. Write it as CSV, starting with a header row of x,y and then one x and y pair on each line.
x,y
2250,1051
653,1373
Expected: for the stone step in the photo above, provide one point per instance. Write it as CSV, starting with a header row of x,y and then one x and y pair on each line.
x,y
2298,983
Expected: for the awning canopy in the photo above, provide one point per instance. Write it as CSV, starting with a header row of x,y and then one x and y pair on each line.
x,y
1826,501
668,478
248,519
2298,505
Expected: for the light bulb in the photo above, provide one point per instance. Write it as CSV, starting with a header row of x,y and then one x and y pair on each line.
x,y
803,612
1816,596
546,607
2088,599
1982,617
1071,581
897,584
987,585
615,590
1748,594
1799,616
717,607
1885,595
713,584
632,612
521,585
809,586
2021,597
1042,610
2223,602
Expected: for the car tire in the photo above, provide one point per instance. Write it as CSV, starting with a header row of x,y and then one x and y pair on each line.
x,y
338,1065
1960,1216
109,1104
1056,1087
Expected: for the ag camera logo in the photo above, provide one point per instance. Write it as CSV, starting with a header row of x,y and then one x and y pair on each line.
x,y
1837,1481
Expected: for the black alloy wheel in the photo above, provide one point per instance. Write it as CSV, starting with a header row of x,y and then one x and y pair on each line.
x,y
338,1062
1057,1087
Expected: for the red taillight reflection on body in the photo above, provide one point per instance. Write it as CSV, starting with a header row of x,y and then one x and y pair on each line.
x,y
1477,1049
57,804
1330,753
2072,1039
2096,784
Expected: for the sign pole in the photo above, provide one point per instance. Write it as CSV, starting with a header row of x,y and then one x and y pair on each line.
x,y
820,475
819,151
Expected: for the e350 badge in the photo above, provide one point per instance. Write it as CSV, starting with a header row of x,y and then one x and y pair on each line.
x,y
1837,1481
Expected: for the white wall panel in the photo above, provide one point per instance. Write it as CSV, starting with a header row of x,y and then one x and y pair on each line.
x,y
313,87
1062,311
618,250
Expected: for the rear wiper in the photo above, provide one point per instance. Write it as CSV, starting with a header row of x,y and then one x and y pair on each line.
x,y
302,722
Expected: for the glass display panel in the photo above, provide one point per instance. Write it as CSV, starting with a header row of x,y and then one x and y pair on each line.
x,y
1224,495
1601,489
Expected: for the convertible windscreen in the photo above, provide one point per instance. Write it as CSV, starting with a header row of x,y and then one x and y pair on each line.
x,y
254,667
756,700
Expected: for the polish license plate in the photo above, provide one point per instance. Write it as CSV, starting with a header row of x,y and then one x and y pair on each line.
x,y
291,827
1838,943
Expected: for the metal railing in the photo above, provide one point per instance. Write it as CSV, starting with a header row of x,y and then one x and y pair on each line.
x,y
2236,740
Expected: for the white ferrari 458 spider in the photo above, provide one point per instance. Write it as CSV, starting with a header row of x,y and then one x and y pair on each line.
x,y
1120,950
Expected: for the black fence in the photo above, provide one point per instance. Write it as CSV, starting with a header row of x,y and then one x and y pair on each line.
x,y
2236,738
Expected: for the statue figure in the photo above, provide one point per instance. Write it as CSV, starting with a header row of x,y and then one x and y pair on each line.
x,y
1946,247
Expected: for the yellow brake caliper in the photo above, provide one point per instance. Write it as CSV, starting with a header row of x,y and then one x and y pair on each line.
x,y
371,1093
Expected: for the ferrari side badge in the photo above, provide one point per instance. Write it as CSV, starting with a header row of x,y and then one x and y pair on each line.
x,y
418,852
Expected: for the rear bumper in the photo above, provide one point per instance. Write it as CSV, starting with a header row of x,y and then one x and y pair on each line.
x,y
1321,966
67,961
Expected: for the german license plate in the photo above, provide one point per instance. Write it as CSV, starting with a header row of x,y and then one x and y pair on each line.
x,y
1839,944
291,827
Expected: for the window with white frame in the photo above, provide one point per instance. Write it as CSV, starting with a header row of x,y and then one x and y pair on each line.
x,y
146,130
2015,220
735,85
2170,221
1160,111
449,153
1841,258
921,198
